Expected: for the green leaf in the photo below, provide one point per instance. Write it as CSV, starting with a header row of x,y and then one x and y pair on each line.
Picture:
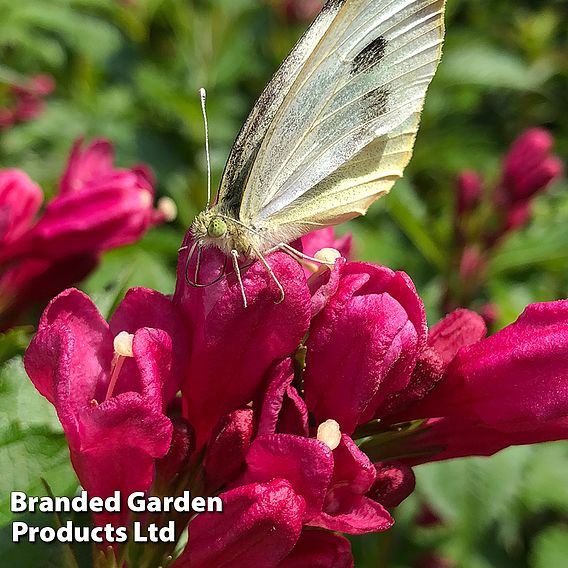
x,y
550,549
407,210
13,342
545,486
32,444
489,66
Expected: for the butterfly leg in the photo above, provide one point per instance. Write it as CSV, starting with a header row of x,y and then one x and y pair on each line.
x,y
271,273
236,268
300,256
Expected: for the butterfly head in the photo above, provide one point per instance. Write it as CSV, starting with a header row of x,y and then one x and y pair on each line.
x,y
208,226
212,228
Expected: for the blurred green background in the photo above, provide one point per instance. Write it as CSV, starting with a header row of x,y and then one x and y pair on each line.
x,y
130,70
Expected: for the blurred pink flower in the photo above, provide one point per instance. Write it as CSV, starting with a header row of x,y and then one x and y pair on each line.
x,y
20,200
299,10
470,188
529,167
27,100
99,207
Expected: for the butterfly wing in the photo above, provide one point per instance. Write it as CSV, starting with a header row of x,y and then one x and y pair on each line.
x,y
343,130
253,132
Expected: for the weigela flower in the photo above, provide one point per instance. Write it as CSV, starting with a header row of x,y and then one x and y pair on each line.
x,y
307,415
260,525
232,347
372,327
110,387
98,207
27,100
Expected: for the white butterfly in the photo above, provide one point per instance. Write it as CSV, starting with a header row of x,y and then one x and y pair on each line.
x,y
332,131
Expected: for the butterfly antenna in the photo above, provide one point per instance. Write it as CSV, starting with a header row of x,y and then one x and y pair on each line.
x,y
203,97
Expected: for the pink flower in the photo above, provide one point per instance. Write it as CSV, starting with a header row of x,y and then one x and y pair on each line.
x,y
232,347
333,484
508,389
259,526
513,379
20,200
373,327
98,208
470,189
529,166
27,100
109,387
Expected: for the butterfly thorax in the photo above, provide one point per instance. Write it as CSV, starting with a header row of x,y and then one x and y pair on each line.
x,y
212,227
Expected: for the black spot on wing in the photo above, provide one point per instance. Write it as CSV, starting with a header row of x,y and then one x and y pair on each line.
x,y
332,5
375,103
369,56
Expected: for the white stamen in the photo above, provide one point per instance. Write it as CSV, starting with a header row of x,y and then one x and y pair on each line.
x,y
329,433
327,256
167,206
123,344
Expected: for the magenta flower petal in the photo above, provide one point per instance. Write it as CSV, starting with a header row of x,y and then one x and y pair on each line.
x,y
449,438
283,410
360,516
511,380
259,526
313,242
373,328
115,212
319,549
87,358
119,442
229,444
305,462
87,165
293,417
458,329
20,200
346,508
250,339
324,284
325,238
142,307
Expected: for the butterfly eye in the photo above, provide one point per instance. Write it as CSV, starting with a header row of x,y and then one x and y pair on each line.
x,y
216,228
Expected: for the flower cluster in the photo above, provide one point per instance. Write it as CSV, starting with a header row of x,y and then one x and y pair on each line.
x,y
98,207
26,100
485,215
305,416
